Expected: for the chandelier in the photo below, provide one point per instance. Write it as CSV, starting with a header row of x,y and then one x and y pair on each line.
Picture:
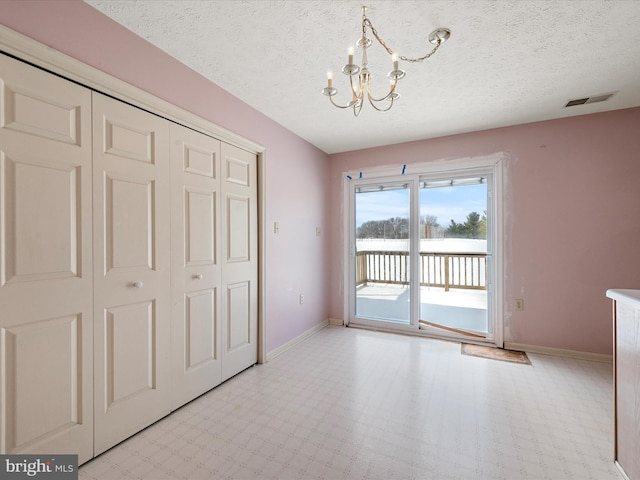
x,y
360,77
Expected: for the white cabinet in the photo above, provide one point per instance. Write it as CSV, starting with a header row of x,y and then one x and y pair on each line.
x,y
626,325
128,265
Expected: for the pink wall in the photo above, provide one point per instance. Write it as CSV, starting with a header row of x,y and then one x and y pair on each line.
x,y
294,258
572,220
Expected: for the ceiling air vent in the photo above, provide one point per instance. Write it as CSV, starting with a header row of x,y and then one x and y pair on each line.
x,y
593,99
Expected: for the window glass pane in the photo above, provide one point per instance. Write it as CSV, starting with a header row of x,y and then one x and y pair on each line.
x,y
382,253
453,255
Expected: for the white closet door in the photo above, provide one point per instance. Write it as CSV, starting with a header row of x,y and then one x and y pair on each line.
x,y
195,269
239,260
46,336
131,267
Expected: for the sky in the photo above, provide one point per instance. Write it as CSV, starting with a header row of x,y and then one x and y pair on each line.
x,y
445,203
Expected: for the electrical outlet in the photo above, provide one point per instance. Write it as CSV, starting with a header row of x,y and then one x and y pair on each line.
x,y
301,299
519,304
318,231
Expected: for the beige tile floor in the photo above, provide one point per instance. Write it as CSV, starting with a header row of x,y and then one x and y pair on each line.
x,y
355,404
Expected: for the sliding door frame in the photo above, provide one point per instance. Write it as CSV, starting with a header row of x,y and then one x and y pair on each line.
x,y
412,173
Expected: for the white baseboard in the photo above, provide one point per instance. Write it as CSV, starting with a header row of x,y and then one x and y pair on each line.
x,y
294,341
621,470
559,352
336,322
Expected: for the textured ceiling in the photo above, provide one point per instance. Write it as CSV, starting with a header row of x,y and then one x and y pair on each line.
x,y
507,62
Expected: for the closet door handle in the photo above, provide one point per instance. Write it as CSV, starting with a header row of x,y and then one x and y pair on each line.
x,y
137,284
198,276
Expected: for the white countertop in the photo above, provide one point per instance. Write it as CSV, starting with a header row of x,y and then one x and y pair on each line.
x,y
631,297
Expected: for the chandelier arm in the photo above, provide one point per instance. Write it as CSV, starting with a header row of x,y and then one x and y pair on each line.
x,y
357,108
371,101
374,99
368,23
349,105
354,92
391,90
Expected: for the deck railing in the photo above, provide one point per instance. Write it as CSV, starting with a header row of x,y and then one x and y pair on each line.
x,y
446,270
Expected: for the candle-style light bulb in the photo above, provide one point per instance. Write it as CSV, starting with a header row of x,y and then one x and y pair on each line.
x,y
350,52
330,79
394,59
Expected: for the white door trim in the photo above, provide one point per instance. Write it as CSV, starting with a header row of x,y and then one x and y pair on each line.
x,y
40,55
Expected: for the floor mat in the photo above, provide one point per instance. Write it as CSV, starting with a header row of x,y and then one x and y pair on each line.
x,y
495,353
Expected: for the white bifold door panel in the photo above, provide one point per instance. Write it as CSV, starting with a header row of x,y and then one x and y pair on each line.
x,y
195,264
128,265
131,201
46,331
239,260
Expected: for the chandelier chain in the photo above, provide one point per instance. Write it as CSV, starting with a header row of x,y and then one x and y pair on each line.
x,y
367,23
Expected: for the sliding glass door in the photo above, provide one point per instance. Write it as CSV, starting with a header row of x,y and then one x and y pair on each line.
x,y
422,253
382,263
454,255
